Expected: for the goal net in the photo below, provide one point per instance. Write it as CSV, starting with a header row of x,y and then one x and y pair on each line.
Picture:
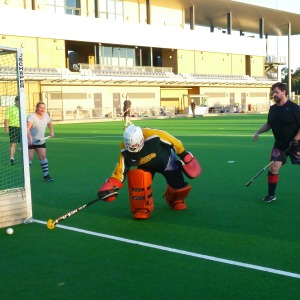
x,y
15,192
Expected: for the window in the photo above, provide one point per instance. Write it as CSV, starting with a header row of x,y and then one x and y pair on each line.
x,y
56,6
111,9
118,55
73,7
69,7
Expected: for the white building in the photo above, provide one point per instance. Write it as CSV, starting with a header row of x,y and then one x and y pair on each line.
x,y
81,56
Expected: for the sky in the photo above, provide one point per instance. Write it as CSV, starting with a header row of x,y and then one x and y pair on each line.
x,y
278,46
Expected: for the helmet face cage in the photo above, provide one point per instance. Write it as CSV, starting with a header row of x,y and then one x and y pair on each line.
x,y
133,138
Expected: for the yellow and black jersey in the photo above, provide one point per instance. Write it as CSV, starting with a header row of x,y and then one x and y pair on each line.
x,y
154,155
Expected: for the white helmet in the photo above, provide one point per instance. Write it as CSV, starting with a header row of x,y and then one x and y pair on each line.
x,y
133,138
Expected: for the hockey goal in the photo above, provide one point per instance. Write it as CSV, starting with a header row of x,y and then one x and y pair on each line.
x,y
15,191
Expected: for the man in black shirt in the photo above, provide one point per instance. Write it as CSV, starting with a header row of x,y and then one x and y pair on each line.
x,y
284,120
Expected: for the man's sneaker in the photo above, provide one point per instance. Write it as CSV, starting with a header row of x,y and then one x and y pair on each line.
x,y
12,161
48,178
269,198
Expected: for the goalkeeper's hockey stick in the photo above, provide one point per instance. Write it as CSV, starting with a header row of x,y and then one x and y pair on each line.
x,y
51,224
268,165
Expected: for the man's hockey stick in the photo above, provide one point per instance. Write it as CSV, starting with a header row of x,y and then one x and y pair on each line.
x,y
268,165
124,112
51,224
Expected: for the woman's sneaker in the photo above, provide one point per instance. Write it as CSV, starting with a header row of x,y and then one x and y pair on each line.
x,y
48,178
269,198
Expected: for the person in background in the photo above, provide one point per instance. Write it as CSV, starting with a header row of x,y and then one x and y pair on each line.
x,y
126,111
37,123
149,151
163,112
193,107
12,126
235,109
284,120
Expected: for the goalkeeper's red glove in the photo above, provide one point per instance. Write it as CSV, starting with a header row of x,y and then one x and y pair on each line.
x,y
186,157
189,164
111,185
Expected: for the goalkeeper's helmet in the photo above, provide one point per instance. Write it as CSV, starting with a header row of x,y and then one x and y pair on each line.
x,y
133,138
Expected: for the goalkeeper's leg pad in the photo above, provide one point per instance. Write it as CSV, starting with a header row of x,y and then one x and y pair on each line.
x,y
175,197
140,193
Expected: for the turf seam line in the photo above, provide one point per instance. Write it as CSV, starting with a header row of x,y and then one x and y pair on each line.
x,y
178,251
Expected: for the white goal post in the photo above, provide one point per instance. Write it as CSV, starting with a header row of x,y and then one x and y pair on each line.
x,y
15,190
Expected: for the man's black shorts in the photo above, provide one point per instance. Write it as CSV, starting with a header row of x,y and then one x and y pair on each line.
x,y
14,134
294,155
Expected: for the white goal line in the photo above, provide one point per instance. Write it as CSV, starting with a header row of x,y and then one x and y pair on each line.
x,y
178,251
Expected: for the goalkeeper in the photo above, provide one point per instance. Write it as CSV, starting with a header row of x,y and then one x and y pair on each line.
x,y
284,120
143,153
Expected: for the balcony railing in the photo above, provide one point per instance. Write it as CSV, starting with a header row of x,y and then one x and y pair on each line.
x,y
278,60
140,69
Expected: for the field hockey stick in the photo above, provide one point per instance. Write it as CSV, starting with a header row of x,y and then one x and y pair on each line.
x,y
44,138
268,165
51,224
124,112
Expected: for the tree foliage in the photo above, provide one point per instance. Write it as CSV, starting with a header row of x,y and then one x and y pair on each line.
x,y
295,80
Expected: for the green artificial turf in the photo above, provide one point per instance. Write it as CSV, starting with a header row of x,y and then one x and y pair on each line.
x,y
224,219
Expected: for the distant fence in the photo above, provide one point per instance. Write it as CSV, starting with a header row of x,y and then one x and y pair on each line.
x,y
59,114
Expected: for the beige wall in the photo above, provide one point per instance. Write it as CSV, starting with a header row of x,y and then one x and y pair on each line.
x,y
221,95
136,13
26,4
28,46
38,52
51,53
218,96
201,62
173,93
107,94
213,63
131,13
167,17
186,61
238,65
32,95
257,66
45,53
174,97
